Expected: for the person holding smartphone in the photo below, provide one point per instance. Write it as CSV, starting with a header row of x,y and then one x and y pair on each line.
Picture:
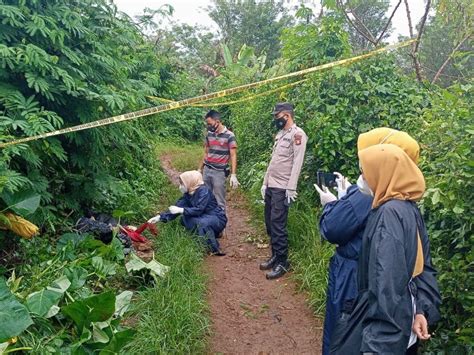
x,y
343,223
279,185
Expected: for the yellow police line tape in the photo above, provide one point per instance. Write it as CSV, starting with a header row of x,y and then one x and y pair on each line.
x,y
202,98
246,98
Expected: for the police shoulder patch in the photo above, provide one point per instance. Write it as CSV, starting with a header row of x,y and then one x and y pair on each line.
x,y
298,137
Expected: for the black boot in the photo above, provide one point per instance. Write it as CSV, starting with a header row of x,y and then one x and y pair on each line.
x,y
278,270
218,252
267,265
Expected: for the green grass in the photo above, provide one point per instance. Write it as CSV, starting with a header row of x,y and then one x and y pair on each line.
x,y
172,316
185,156
309,255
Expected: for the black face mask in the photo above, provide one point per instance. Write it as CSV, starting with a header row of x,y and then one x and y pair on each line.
x,y
280,122
212,128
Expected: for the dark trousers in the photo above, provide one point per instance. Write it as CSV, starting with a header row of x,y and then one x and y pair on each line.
x,y
276,217
412,350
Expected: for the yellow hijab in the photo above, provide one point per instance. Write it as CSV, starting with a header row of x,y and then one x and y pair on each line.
x,y
391,174
384,135
192,180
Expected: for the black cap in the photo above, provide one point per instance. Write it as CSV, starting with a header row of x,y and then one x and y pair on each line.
x,y
282,106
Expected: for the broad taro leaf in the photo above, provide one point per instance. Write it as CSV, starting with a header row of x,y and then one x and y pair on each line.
x,y
97,308
119,340
14,317
156,269
42,301
74,238
77,275
122,302
102,267
99,335
23,203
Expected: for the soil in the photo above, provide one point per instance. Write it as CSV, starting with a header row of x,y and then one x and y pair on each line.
x,y
250,314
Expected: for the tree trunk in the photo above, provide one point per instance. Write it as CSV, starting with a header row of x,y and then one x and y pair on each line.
x,y
416,59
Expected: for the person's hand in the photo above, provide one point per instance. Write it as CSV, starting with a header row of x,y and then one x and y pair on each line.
x,y
234,183
325,196
420,327
291,195
263,189
342,185
175,210
155,219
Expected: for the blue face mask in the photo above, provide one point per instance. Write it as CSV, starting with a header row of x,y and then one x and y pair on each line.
x,y
183,189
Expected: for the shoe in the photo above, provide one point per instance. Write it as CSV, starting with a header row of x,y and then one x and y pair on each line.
x,y
221,234
278,271
267,265
218,253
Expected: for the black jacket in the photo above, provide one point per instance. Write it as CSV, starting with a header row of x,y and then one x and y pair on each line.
x,y
386,266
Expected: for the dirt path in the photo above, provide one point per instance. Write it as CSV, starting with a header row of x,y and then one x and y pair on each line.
x,y
251,315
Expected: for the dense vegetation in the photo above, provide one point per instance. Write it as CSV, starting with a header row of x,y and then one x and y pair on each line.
x,y
64,63
69,62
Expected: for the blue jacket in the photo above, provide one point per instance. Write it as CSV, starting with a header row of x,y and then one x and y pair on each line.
x,y
201,214
343,223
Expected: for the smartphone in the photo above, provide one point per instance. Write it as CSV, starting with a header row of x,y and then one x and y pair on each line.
x,y
326,179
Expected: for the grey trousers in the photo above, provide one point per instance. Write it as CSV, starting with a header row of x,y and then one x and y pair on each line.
x,y
215,181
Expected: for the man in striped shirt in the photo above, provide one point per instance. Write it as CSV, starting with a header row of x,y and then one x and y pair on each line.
x,y
220,149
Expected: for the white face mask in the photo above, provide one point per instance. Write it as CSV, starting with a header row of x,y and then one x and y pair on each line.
x,y
183,189
364,187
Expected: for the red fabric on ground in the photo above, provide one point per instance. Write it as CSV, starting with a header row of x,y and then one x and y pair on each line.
x,y
136,235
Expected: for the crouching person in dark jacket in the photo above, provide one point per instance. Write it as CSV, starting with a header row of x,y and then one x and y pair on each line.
x,y
199,209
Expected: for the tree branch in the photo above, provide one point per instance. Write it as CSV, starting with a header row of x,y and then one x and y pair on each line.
x,y
367,35
441,68
388,22
422,25
361,23
321,13
416,59
410,25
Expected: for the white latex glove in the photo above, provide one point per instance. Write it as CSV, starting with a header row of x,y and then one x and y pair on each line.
x,y
263,189
291,195
325,195
155,219
234,183
342,185
175,209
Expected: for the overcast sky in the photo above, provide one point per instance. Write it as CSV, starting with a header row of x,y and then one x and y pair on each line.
x,y
192,12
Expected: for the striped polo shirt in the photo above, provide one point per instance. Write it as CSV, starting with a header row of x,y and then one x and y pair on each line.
x,y
218,148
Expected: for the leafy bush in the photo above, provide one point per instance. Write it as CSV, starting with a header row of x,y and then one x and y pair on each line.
x,y
448,164
68,302
64,63
333,108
